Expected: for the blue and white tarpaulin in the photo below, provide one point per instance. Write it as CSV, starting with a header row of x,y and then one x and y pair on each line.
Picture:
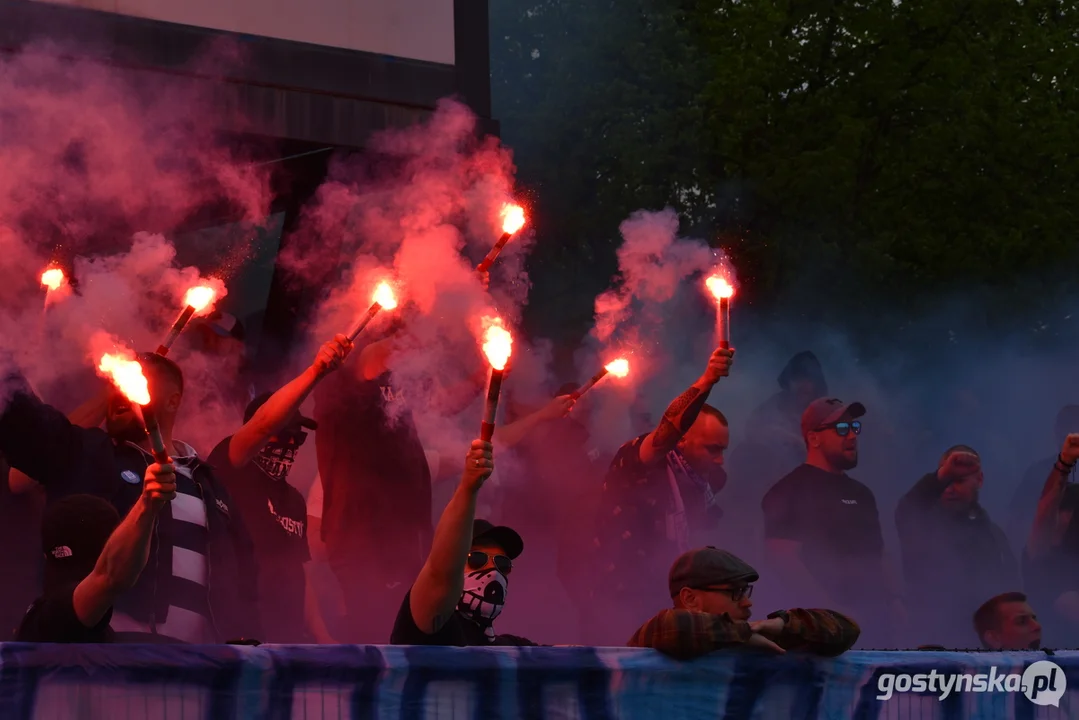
x,y
392,683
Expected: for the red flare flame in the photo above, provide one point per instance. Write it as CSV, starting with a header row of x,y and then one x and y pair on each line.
x,y
200,297
619,368
719,287
53,278
497,343
126,375
513,218
384,296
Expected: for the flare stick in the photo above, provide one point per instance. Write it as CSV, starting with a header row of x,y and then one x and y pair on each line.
x,y
487,427
364,321
157,443
590,384
513,219
497,346
725,323
175,330
619,367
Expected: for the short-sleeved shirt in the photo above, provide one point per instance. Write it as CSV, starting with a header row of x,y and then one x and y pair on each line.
x,y
375,478
52,619
639,520
458,631
835,519
276,517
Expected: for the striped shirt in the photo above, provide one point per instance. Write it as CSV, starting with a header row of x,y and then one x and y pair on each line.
x,y
189,618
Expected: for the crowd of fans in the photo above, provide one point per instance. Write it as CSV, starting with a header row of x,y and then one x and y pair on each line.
x,y
220,550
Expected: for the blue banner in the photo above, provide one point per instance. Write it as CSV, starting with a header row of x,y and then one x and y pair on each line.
x,y
410,683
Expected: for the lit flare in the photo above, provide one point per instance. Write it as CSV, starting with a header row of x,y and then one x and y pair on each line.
x,y
722,291
513,218
719,287
53,278
200,298
497,346
497,343
384,296
619,368
126,374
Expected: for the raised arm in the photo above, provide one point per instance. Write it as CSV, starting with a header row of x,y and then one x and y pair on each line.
x,y
88,415
276,412
127,550
35,438
1044,533
510,435
438,587
682,413
92,412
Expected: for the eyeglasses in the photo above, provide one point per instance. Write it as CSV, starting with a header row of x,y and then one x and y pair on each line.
x,y
477,559
843,429
735,593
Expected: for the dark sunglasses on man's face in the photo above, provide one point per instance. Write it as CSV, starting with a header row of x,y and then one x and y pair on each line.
x,y
843,429
477,559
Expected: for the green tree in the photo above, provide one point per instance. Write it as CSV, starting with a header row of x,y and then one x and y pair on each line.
x,y
892,151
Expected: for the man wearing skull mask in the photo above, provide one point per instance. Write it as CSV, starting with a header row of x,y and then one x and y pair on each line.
x,y
254,464
461,589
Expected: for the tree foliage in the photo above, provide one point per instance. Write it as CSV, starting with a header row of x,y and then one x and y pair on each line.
x,y
883,148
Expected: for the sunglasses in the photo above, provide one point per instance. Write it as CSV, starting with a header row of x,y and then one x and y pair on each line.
x,y
735,593
477,560
843,429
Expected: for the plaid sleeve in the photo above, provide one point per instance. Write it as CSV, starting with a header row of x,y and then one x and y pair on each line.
x,y
687,634
822,632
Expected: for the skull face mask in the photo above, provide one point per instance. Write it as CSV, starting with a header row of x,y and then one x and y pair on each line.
x,y
483,598
277,457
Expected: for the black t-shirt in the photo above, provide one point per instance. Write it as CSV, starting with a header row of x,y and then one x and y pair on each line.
x,y
458,631
835,519
52,619
275,514
375,478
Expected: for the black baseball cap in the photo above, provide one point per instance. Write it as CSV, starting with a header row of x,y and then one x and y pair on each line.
x,y
297,418
506,538
74,531
708,566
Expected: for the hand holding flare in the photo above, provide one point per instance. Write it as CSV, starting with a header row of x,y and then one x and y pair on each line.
x,y
382,298
619,368
497,346
199,299
127,375
513,219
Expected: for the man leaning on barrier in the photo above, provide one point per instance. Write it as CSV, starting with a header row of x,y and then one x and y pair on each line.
x,y
711,590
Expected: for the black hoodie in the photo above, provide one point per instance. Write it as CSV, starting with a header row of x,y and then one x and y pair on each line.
x,y
953,561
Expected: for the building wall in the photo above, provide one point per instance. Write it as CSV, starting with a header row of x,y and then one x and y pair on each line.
x,y
415,29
